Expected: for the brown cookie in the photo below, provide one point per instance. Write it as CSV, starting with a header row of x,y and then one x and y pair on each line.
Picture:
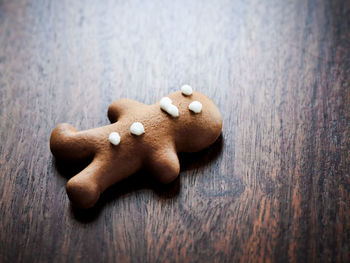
x,y
140,136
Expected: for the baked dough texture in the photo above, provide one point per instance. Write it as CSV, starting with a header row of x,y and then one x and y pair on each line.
x,y
155,150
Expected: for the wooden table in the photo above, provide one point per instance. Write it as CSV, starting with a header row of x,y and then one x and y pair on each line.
x,y
275,187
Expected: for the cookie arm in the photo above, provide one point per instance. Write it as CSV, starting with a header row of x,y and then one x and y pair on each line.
x,y
66,143
164,164
122,107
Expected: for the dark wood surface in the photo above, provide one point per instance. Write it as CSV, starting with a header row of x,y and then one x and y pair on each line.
x,y
274,188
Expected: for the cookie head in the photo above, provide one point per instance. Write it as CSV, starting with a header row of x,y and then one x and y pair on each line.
x,y
199,123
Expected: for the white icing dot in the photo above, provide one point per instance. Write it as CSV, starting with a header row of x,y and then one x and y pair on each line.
x,y
168,107
114,138
186,90
137,128
172,110
164,101
195,106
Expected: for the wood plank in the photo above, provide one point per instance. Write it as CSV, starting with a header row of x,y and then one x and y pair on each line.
x,y
274,188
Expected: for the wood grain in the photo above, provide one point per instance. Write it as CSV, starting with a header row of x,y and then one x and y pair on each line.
x,y
274,188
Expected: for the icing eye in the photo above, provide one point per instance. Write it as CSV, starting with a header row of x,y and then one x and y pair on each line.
x,y
114,138
137,128
167,106
195,106
186,90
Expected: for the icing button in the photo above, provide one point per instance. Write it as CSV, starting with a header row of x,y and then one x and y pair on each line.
x,y
137,128
114,138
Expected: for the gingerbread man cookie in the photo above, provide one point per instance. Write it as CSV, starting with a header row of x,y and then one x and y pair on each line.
x,y
140,136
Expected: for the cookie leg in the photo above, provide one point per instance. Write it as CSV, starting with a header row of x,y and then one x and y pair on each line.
x,y
164,164
84,189
66,143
